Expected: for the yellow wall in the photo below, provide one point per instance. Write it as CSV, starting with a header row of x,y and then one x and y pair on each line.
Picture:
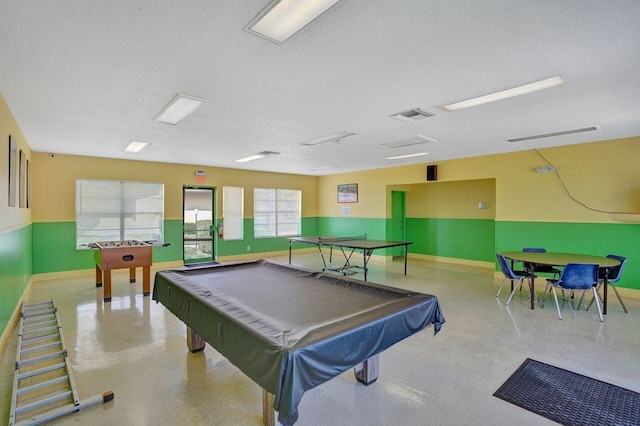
x,y
602,175
452,199
12,217
54,183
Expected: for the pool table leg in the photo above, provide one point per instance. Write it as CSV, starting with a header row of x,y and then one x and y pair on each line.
x,y
268,413
367,371
195,343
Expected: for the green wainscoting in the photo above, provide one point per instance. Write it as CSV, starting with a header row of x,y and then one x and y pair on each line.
x,y
15,270
375,228
597,239
54,247
262,245
471,239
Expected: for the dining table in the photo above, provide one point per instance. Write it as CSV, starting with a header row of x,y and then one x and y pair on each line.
x,y
535,259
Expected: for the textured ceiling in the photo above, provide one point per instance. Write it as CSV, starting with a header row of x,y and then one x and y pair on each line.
x,y
88,77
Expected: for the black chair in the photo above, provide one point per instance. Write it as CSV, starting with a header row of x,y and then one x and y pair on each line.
x,y
510,274
543,269
575,277
613,276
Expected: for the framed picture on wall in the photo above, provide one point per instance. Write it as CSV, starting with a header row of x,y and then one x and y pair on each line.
x,y
22,181
348,193
28,184
13,170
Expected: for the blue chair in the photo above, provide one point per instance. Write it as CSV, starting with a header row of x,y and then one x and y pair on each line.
x,y
545,269
575,277
615,275
510,274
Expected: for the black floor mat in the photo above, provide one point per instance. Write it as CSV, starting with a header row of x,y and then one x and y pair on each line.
x,y
569,398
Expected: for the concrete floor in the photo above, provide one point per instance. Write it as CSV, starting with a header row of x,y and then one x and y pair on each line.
x,y
136,348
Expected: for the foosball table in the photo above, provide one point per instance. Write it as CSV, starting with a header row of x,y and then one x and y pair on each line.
x,y
128,254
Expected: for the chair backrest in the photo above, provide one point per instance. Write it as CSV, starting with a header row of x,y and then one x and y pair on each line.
x,y
615,273
534,250
579,276
506,268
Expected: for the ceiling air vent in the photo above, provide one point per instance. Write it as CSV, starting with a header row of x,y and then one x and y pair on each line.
x,y
417,140
412,115
548,135
266,153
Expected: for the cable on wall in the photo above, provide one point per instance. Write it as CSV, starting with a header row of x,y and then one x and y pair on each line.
x,y
566,190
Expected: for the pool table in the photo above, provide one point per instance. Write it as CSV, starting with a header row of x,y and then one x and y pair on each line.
x,y
290,329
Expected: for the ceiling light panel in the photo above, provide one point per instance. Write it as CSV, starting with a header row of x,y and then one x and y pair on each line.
x,y
406,142
250,158
282,19
136,146
180,107
417,154
505,94
334,137
549,135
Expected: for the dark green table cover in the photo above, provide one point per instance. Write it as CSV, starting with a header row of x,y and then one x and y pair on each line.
x,y
290,329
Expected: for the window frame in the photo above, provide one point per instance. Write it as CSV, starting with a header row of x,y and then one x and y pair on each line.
x,y
276,212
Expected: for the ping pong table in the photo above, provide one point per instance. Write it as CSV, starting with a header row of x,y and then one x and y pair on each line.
x,y
348,246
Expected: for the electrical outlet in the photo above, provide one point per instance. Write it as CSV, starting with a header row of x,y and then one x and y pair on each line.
x,y
248,248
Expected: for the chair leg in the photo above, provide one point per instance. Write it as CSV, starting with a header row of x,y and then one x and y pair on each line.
x,y
592,298
595,295
619,298
555,297
514,290
501,285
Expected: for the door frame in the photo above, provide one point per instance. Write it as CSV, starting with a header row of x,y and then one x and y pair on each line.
x,y
213,238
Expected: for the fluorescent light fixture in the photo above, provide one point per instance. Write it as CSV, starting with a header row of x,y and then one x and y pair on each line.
x,y
549,135
398,157
509,93
135,146
281,19
180,107
333,137
251,158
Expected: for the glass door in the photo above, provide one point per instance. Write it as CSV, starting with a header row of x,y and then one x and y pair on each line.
x,y
197,234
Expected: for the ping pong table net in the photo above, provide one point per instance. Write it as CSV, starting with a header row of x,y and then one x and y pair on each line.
x,y
337,239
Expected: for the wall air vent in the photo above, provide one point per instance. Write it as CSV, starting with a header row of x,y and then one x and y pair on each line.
x,y
417,140
412,115
548,135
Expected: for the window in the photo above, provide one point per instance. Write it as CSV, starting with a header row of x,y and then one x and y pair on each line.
x,y
276,212
233,212
113,211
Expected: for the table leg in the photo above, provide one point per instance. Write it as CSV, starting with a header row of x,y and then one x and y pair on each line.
x,y
290,242
107,285
268,413
406,254
132,275
532,284
98,276
367,371
606,290
195,343
146,280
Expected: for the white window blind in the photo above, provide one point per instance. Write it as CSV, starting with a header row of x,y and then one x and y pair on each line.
x,y
114,211
276,212
233,212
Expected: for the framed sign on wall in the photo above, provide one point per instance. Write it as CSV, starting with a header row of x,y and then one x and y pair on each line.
x,y
348,193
